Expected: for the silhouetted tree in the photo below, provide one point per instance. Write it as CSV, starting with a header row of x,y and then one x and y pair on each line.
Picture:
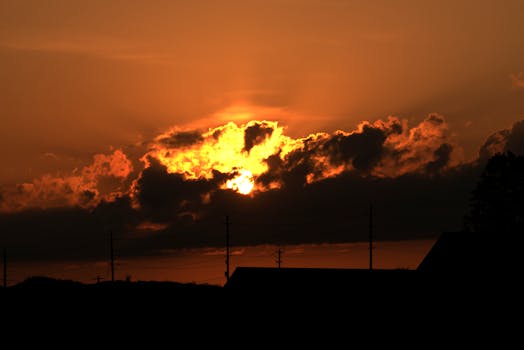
x,y
497,203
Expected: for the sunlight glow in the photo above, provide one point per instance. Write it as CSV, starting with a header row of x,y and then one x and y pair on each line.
x,y
224,149
243,183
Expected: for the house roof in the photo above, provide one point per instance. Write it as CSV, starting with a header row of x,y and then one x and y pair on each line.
x,y
309,278
472,253
464,256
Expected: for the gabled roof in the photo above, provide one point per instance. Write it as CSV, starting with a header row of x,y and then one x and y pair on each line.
x,y
309,278
474,253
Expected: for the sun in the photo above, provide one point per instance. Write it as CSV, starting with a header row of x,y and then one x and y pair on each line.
x,y
243,183
239,152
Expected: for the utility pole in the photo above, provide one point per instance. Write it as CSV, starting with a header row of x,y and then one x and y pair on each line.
x,y
227,249
279,257
112,256
370,237
5,268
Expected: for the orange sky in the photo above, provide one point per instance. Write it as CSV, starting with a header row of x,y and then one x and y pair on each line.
x,y
146,119
77,77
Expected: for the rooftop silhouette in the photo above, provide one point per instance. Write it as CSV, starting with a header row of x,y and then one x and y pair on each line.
x,y
474,253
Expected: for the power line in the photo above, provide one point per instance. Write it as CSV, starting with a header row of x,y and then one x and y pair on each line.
x,y
279,257
370,237
112,256
5,268
227,248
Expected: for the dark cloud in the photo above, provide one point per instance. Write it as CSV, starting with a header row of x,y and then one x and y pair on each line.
x,y
333,210
362,150
503,141
515,139
86,197
217,133
442,155
495,143
295,168
181,139
378,149
65,233
256,134
162,195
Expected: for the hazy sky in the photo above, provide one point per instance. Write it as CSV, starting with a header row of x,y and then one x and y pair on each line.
x,y
114,114
77,77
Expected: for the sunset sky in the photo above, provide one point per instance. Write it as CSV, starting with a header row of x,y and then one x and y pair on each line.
x,y
155,119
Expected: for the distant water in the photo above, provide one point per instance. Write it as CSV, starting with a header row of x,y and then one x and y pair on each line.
x,y
207,265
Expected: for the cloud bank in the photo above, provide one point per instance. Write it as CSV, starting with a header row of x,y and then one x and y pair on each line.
x,y
311,189
102,180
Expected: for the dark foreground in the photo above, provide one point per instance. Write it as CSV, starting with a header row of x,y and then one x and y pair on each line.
x,y
462,295
252,287
397,307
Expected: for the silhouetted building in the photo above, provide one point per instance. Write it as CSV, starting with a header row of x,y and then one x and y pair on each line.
x,y
472,254
313,279
461,255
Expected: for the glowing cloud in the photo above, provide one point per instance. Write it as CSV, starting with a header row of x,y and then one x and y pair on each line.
x,y
101,180
419,148
242,183
239,151
256,156
248,158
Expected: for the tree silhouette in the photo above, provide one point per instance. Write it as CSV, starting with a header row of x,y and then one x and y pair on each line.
x,y
497,203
